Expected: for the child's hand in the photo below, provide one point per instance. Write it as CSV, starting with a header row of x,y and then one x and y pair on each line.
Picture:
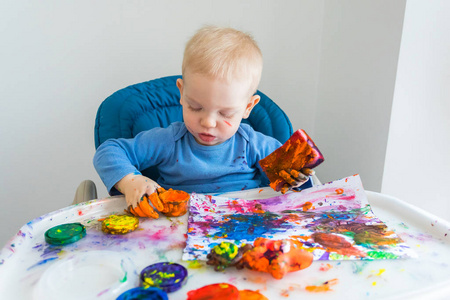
x,y
295,178
134,187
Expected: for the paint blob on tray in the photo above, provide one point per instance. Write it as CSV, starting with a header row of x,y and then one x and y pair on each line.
x,y
167,276
334,221
141,293
65,234
223,291
119,224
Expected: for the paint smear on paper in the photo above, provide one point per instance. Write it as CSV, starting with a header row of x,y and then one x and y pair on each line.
x,y
338,223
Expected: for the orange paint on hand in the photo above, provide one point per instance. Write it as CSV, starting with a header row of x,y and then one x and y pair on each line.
x,y
298,152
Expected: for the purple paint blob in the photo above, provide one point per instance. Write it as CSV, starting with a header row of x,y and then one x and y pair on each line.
x,y
167,276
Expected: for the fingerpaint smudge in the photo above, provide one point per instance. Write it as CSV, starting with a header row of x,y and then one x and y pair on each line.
x,y
325,287
42,262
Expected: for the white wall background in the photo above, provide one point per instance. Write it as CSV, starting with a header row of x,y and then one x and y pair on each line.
x,y
418,157
60,59
331,65
360,46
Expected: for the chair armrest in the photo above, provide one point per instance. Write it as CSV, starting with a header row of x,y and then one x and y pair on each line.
x,y
86,191
315,180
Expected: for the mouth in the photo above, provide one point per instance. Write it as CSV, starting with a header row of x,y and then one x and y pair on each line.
x,y
205,137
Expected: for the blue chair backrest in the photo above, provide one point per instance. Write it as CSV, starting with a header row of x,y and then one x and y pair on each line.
x,y
156,103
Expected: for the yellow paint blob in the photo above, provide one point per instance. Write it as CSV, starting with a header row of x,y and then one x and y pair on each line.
x,y
381,272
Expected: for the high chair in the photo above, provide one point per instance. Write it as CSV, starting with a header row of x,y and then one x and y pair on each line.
x,y
156,103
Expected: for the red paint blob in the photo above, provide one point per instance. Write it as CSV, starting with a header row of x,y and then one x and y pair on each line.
x,y
218,291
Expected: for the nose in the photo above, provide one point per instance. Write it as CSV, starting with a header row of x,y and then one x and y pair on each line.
x,y
208,121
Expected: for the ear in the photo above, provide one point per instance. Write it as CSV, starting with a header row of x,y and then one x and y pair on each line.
x,y
253,101
180,87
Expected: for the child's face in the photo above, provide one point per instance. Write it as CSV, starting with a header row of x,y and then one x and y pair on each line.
x,y
212,108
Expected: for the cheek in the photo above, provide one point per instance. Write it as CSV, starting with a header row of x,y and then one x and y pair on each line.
x,y
187,115
228,123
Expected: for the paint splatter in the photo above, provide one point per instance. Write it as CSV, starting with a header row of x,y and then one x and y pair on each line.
x,y
325,267
42,262
324,287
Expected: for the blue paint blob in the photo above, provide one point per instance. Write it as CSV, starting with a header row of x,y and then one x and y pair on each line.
x,y
141,293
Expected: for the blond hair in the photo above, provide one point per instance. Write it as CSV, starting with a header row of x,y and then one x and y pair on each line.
x,y
223,53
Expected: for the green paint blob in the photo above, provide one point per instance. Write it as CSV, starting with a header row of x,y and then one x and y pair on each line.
x,y
381,255
226,250
336,256
65,234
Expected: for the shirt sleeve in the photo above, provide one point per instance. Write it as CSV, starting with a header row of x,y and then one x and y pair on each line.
x,y
116,158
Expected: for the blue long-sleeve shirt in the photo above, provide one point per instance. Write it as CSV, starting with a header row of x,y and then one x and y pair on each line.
x,y
183,163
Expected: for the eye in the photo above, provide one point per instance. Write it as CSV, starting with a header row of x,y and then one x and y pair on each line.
x,y
194,108
226,114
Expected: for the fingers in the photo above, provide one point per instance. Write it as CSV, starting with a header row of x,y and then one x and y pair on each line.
x,y
300,176
147,209
141,205
294,178
143,210
285,188
287,177
132,199
132,211
151,186
139,212
156,201
307,171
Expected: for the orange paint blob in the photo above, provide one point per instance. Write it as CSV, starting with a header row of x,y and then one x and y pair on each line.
x,y
175,202
325,287
228,123
325,267
307,206
218,291
276,257
251,295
